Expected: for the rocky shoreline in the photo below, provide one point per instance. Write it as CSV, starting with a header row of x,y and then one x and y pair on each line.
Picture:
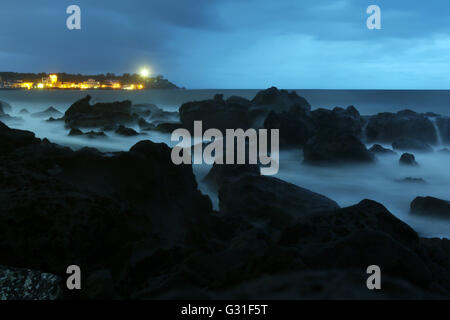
x,y
139,227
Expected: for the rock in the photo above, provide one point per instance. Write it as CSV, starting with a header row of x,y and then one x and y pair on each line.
x,y
88,208
154,113
223,173
407,144
388,127
214,113
267,200
126,132
25,284
378,149
444,151
408,159
330,147
75,132
82,115
50,112
5,107
280,100
295,126
24,111
11,139
339,120
144,125
431,206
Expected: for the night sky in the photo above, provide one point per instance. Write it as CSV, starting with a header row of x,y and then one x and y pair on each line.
x,y
236,43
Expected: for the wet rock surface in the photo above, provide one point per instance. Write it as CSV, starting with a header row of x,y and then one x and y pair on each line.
x,y
24,284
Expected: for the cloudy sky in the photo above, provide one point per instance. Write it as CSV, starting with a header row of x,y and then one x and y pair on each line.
x,y
236,43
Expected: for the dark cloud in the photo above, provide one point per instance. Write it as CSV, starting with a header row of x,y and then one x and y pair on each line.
x,y
232,43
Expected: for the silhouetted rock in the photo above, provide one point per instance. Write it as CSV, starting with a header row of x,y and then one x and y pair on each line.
x,y
387,127
267,200
222,173
5,107
127,132
75,132
24,111
50,112
295,126
339,120
82,115
378,149
407,144
167,127
408,159
330,147
431,206
11,139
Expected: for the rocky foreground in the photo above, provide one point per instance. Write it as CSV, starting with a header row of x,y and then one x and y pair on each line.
x,y
139,227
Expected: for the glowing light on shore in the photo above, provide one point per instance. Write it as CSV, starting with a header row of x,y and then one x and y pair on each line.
x,y
144,72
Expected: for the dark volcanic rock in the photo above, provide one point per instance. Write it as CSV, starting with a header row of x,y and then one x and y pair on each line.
x,y
222,173
407,144
48,113
295,125
378,149
237,112
214,113
145,125
431,206
408,159
269,200
82,115
387,127
127,132
5,107
23,284
11,139
330,147
339,120
75,132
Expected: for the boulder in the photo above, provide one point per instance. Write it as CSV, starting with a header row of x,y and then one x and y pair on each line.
x,y
339,120
82,115
126,132
223,173
329,147
407,144
378,149
48,113
388,127
431,206
408,159
267,200
11,139
295,126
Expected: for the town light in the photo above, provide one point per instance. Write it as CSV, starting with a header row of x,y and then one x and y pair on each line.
x,y
144,72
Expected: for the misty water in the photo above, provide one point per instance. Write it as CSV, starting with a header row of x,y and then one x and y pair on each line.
x,y
347,185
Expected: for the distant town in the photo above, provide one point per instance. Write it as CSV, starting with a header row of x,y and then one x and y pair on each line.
x,y
65,81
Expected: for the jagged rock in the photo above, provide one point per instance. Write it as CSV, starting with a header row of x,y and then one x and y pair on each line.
x,y
329,147
25,284
431,206
339,120
75,132
126,132
378,149
407,144
167,127
12,139
387,127
50,112
295,126
82,115
222,173
408,159
268,200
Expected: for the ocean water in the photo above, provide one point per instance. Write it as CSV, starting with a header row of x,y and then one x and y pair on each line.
x,y
346,185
